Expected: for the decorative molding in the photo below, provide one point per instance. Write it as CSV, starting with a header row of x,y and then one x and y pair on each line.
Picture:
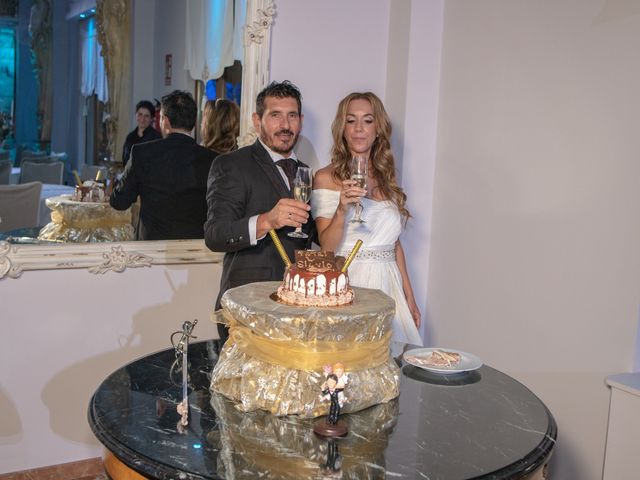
x,y
259,28
102,257
255,66
6,267
117,260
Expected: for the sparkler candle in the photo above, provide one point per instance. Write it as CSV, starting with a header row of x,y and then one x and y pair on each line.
x,y
351,256
77,177
278,244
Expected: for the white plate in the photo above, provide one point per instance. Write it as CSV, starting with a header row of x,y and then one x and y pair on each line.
x,y
467,361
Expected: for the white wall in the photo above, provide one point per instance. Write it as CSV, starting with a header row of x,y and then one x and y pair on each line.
x,y
169,38
534,262
418,141
65,331
328,50
142,55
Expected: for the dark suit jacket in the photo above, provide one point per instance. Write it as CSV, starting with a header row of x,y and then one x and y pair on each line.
x,y
170,175
242,184
132,139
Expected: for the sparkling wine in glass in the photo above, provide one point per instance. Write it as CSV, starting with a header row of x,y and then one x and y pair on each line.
x,y
302,192
359,165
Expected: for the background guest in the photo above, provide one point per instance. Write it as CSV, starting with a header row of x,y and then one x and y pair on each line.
x,y
220,125
169,175
144,132
362,128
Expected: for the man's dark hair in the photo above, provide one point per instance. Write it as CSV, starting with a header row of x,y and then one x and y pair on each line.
x,y
148,105
180,108
278,90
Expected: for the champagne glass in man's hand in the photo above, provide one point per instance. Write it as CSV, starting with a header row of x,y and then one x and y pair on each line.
x,y
359,165
302,192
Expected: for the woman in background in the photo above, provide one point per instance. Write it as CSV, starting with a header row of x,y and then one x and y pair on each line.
x,y
362,128
144,132
220,125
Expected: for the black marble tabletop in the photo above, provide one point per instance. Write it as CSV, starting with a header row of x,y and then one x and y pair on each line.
x,y
480,424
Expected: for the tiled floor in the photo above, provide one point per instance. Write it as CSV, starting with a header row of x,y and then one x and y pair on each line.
x,y
83,470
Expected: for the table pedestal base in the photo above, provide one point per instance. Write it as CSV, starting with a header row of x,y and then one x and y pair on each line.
x,y
118,470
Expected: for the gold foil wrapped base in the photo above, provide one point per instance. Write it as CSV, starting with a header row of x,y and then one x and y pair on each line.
x,y
274,356
79,222
260,445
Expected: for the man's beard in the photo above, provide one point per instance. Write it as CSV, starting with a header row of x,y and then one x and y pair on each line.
x,y
276,148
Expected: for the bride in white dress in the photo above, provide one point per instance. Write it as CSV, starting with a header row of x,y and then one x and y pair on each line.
x,y
362,127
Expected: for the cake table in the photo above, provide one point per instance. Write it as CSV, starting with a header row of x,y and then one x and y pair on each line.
x,y
274,357
481,424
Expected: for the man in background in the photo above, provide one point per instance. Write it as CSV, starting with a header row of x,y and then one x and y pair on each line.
x,y
169,175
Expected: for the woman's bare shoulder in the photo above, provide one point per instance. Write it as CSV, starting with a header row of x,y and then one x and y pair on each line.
x,y
324,179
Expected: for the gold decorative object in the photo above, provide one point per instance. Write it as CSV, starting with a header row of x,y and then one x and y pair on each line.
x,y
274,356
351,256
86,222
278,244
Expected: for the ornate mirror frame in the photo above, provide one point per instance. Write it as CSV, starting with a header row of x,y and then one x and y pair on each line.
x,y
100,258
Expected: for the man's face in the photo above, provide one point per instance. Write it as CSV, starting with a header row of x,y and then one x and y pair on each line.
x,y
280,124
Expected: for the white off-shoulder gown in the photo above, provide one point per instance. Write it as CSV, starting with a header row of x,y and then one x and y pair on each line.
x,y
375,264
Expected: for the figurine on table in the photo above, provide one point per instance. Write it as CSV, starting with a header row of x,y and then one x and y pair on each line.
x,y
333,391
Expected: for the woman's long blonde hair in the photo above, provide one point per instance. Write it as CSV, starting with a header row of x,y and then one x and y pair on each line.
x,y
220,125
382,161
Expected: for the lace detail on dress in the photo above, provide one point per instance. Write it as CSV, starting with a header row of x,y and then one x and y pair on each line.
x,y
388,255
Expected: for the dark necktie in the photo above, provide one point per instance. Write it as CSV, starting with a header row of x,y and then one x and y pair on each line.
x,y
290,167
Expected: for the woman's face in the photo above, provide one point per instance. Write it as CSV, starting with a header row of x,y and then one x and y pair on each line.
x,y
143,118
360,127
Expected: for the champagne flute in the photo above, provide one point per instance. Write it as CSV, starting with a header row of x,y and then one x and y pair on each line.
x,y
302,192
359,165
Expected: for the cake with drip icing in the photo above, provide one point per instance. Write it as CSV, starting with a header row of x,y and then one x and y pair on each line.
x,y
316,279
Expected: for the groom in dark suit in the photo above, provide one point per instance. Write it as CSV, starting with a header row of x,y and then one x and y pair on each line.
x,y
169,175
250,193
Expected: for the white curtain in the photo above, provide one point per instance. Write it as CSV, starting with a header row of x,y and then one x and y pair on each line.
x,y
214,36
94,78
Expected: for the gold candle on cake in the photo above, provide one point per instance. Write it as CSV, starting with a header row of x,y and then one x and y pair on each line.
x,y
279,247
351,256
77,177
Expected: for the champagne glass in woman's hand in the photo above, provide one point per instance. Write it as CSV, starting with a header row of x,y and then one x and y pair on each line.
x,y
359,174
302,192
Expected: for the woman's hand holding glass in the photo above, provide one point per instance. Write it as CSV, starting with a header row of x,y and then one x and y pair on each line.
x,y
301,192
